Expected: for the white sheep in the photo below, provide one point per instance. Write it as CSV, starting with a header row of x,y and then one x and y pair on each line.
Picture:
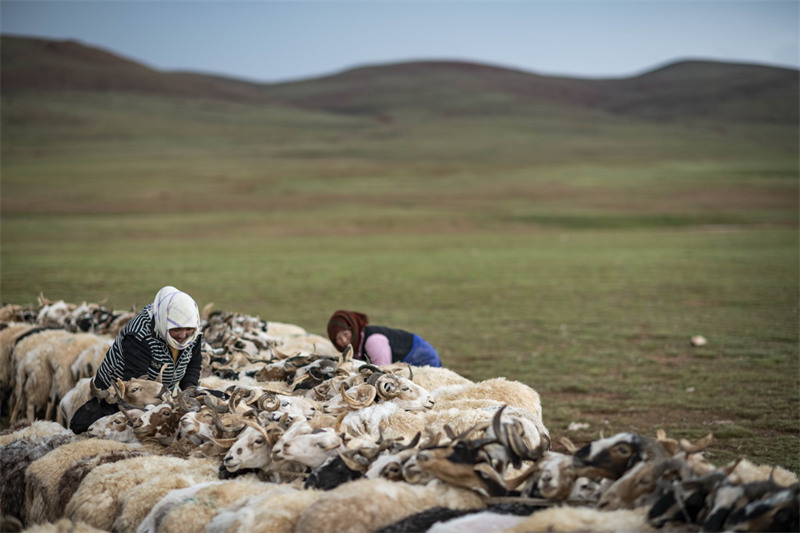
x,y
366,505
115,427
570,519
36,429
137,502
33,372
310,447
189,510
102,493
43,477
275,511
8,340
61,360
87,362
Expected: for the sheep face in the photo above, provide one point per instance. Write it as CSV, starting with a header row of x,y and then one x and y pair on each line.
x,y
625,492
159,423
610,457
404,393
112,427
555,476
295,406
140,392
311,449
251,450
197,426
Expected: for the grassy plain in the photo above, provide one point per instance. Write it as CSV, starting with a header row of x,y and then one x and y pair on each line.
x,y
578,256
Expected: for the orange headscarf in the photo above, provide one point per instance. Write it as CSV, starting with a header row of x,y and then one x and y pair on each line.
x,y
352,320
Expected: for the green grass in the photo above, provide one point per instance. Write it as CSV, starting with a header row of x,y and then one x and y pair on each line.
x,y
578,256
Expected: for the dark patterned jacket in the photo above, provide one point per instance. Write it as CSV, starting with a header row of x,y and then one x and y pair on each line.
x,y
137,351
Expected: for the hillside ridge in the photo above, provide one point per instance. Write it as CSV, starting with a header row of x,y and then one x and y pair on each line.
x,y
685,89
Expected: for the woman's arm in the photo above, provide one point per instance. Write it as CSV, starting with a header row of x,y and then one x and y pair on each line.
x,y
192,376
137,358
378,349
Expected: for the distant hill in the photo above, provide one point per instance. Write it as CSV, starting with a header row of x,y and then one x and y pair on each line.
x,y
44,65
686,90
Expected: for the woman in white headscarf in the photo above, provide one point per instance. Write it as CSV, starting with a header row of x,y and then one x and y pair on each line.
x,y
166,332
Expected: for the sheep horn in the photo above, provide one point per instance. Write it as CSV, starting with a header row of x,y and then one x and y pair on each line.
x,y
347,354
699,446
215,405
268,402
161,373
232,427
98,393
351,462
371,368
365,395
387,386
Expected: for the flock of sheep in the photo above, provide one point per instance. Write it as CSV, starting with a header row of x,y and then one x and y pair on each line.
x,y
285,434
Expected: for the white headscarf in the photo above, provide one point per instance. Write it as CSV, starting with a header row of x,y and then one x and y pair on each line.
x,y
175,309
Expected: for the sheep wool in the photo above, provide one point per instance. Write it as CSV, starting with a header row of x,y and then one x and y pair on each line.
x,y
366,505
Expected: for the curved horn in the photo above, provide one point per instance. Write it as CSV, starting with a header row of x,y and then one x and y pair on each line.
x,y
161,373
372,368
364,396
388,386
215,405
97,393
268,401
347,354
234,426
699,446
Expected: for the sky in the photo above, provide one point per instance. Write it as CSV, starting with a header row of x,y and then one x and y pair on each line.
x,y
274,41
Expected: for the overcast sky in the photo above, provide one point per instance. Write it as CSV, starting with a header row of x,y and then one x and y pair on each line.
x,y
270,41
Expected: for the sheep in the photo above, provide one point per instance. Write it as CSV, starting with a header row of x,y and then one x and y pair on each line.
x,y
779,511
613,456
135,392
43,477
63,525
252,449
189,510
102,493
18,313
476,522
9,336
389,387
42,373
33,373
431,378
87,362
583,519
512,393
306,446
137,502
61,359
73,400
115,427
365,505
36,429
553,479
384,418
745,471
53,314
275,511
15,458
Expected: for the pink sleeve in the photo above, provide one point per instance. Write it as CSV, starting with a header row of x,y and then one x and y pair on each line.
x,y
377,346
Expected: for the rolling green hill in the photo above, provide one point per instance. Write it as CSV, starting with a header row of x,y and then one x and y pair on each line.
x,y
429,133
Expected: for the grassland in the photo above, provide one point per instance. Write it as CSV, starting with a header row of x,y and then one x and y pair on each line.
x,y
577,252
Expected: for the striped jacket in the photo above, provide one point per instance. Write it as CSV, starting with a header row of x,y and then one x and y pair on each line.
x,y
137,351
